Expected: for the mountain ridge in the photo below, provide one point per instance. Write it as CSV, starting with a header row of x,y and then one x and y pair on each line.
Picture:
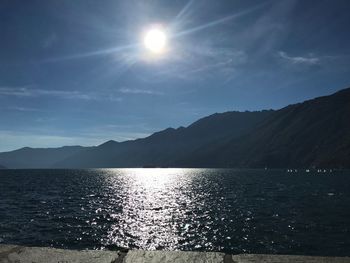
x,y
158,149
316,125
313,133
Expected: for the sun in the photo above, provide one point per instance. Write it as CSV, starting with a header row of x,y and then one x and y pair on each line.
x,y
155,40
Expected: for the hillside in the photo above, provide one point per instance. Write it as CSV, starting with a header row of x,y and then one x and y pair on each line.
x,y
312,133
36,157
164,147
315,133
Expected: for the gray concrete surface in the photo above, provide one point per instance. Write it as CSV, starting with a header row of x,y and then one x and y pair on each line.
x,y
139,256
248,258
19,254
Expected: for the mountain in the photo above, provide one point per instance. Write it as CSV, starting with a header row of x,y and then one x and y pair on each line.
x,y
315,133
2,167
36,157
164,147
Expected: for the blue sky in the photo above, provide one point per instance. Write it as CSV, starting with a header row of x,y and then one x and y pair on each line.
x,y
76,72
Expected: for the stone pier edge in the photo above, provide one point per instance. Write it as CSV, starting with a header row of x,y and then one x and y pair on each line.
x,y
21,254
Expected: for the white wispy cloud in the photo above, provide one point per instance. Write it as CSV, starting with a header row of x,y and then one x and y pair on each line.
x,y
24,109
29,91
26,91
308,60
139,91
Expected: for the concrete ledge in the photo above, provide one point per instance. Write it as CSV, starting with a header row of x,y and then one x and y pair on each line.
x,y
249,258
19,254
139,256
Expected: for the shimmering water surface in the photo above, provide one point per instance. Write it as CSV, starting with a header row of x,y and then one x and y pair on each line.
x,y
236,211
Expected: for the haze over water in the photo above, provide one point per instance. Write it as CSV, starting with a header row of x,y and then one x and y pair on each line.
x,y
235,211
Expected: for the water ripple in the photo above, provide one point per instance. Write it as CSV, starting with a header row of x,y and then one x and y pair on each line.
x,y
235,211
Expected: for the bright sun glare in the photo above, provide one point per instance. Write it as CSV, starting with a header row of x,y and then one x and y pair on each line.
x,y
155,40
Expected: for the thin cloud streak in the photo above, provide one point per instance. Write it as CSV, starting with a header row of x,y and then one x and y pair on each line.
x,y
26,92
298,59
23,109
139,91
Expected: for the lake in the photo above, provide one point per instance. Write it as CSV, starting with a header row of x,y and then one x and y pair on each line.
x,y
234,211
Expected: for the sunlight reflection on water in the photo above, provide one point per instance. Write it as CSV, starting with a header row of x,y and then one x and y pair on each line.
x,y
235,211
154,200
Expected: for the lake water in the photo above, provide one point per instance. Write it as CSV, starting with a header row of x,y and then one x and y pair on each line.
x,y
234,211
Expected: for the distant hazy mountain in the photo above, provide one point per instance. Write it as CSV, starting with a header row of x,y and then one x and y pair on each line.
x,y
2,167
312,133
36,157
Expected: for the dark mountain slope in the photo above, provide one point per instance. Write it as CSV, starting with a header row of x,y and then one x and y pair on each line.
x,y
313,133
164,147
36,157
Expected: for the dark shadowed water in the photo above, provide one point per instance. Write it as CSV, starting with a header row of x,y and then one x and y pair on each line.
x,y
236,211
